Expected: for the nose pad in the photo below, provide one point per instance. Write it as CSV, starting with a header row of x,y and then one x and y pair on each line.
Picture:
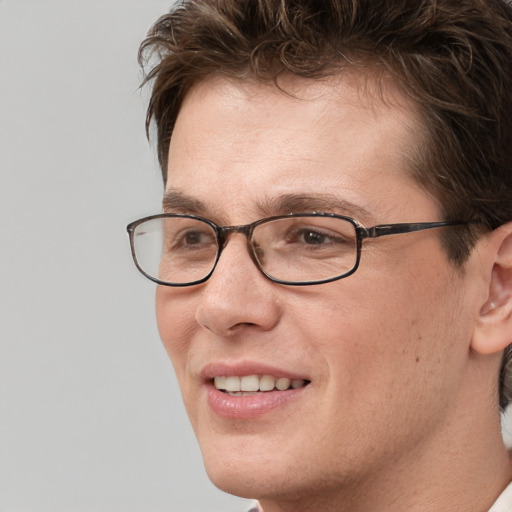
x,y
237,293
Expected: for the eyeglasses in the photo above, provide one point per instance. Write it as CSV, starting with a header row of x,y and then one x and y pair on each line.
x,y
295,249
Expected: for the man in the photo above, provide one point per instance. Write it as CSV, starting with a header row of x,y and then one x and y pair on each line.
x,y
349,351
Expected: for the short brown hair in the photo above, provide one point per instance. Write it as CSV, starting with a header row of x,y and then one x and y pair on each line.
x,y
452,57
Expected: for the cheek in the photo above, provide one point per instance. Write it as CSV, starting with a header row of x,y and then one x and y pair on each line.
x,y
177,328
176,324
378,335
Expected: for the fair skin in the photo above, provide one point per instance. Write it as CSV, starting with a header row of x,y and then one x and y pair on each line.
x,y
390,356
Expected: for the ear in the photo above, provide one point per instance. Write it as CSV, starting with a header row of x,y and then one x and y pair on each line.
x,y
494,326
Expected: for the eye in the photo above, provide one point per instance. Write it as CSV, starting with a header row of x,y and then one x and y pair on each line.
x,y
311,237
196,237
193,239
186,235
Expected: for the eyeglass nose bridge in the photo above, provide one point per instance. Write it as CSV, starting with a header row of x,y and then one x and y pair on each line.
x,y
223,235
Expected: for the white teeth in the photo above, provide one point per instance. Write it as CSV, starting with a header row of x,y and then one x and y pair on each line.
x,y
233,384
254,383
267,383
250,383
220,382
283,383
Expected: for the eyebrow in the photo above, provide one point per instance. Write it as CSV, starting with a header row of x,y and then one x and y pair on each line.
x,y
306,203
176,201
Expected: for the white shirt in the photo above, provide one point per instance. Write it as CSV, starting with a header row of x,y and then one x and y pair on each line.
x,y
502,504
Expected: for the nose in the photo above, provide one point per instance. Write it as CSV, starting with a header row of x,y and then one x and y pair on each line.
x,y
237,294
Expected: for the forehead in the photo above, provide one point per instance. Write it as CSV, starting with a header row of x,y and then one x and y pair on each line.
x,y
340,133
373,97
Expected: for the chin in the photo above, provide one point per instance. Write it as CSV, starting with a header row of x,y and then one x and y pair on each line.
x,y
251,484
233,483
251,475
236,472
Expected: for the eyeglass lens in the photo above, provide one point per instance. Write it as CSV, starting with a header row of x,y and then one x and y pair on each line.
x,y
295,249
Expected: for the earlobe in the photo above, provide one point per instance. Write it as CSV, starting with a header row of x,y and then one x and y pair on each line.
x,y
493,332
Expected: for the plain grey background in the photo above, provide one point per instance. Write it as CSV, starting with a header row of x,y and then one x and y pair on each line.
x,y
90,413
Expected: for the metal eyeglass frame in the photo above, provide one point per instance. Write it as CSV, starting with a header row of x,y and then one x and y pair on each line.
x,y
223,232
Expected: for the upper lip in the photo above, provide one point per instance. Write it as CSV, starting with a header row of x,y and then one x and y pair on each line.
x,y
239,369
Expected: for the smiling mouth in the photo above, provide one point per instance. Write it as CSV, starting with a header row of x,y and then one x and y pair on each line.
x,y
251,384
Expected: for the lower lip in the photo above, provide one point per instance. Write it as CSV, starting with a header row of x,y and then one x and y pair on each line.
x,y
247,407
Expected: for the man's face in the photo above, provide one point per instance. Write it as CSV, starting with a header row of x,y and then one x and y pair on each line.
x,y
378,356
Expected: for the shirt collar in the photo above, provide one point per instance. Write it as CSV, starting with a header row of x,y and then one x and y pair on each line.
x,y
504,502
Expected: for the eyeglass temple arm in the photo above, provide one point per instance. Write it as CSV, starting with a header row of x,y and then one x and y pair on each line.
x,y
395,229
